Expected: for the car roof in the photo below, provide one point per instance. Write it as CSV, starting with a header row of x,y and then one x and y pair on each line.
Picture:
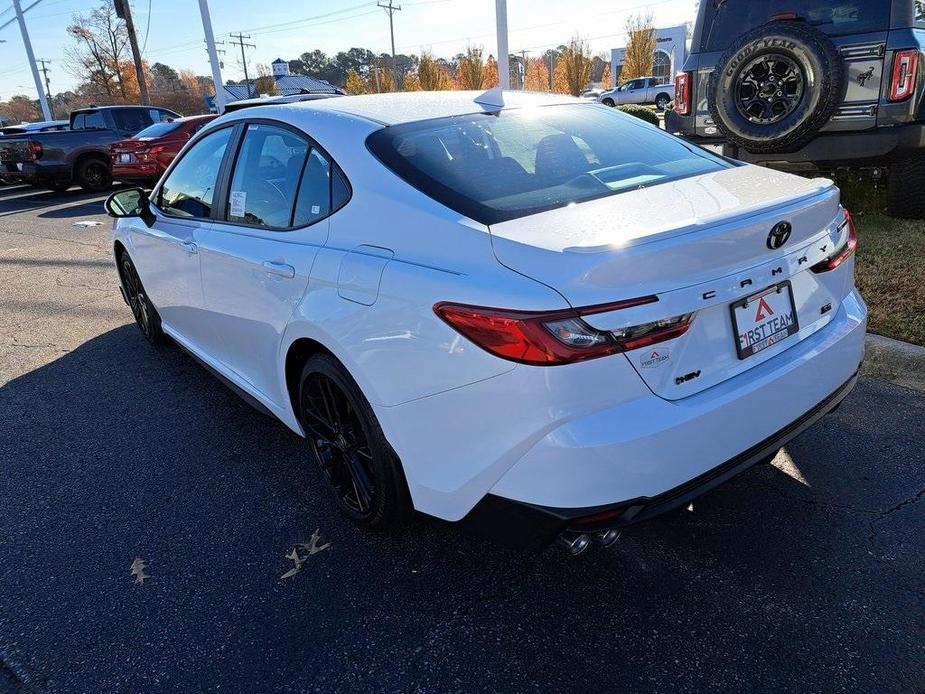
x,y
407,107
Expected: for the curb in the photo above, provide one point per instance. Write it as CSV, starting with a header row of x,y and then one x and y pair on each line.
x,y
898,362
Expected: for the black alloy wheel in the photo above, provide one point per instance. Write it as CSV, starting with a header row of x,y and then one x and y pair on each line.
x,y
94,175
146,316
769,89
349,446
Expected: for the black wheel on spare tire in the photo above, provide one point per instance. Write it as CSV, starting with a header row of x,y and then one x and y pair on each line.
x,y
905,184
146,316
347,442
94,175
776,86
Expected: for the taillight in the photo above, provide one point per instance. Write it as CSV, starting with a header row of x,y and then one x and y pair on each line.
x,y
905,74
36,149
554,337
844,252
682,93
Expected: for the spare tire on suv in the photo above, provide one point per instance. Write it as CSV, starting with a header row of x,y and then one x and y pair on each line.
x,y
776,86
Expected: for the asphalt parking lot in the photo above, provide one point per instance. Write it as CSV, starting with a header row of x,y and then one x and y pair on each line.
x,y
807,575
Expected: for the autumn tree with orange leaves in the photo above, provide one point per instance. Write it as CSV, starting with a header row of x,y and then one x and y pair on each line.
x,y
537,75
573,68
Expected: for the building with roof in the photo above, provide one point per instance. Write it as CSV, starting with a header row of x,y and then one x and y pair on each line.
x,y
670,54
286,84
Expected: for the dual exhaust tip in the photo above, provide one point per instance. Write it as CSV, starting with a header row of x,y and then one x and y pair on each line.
x,y
578,543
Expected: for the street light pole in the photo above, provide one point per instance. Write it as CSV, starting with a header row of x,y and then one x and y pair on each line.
x,y
213,56
504,70
46,112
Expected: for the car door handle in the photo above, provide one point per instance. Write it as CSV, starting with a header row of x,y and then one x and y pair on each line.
x,y
279,269
189,247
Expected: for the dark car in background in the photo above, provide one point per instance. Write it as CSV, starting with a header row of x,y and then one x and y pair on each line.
x,y
144,157
811,85
57,160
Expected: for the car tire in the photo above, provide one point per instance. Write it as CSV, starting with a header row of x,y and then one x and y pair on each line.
x,y
662,101
349,447
59,186
94,175
904,188
800,63
146,316
608,102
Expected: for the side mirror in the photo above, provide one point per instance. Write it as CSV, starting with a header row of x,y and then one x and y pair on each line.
x,y
132,202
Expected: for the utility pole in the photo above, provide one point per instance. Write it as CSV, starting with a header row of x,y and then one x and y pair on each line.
x,y
51,103
523,79
240,42
31,56
124,12
392,9
213,57
504,70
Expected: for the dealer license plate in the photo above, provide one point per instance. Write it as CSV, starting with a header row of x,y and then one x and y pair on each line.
x,y
764,319
125,158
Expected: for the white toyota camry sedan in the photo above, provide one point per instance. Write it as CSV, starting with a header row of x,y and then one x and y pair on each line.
x,y
533,315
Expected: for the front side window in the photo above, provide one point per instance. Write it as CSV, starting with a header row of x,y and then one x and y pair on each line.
x,y
494,167
266,176
190,187
728,19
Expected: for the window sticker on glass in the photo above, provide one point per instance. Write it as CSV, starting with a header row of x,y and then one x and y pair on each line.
x,y
238,202
316,209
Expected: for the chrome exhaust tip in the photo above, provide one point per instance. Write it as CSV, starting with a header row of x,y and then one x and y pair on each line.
x,y
574,543
609,537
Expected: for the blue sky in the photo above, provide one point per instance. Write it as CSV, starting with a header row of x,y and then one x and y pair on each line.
x,y
286,29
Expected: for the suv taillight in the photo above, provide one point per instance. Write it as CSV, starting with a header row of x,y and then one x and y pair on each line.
x,y
682,94
555,337
36,149
845,251
905,74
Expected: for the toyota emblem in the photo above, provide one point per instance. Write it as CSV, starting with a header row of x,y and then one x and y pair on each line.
x,y
779,235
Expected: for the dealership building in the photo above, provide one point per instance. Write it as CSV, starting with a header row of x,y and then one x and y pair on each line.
x,y
670,54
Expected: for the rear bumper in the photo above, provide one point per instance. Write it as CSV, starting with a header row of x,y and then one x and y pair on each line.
x,y
137,172
878,147
530,526
33,172
648,455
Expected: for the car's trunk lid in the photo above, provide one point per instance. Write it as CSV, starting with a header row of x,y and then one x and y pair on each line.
x,y
698,244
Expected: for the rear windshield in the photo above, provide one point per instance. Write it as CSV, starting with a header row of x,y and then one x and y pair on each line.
x,y
159,129
725,20
495,167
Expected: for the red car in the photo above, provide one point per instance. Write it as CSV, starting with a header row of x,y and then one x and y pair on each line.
x,y
147,155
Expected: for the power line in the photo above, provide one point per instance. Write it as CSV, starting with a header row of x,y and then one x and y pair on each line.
x,y
240,42
147,29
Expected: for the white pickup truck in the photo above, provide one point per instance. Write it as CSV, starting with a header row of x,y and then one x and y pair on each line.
x,y
643,90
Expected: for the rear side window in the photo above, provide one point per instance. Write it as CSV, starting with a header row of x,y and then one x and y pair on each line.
x,y
134,119
495,167
190,186
725,20
314,201
88,120
159,129
266,177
